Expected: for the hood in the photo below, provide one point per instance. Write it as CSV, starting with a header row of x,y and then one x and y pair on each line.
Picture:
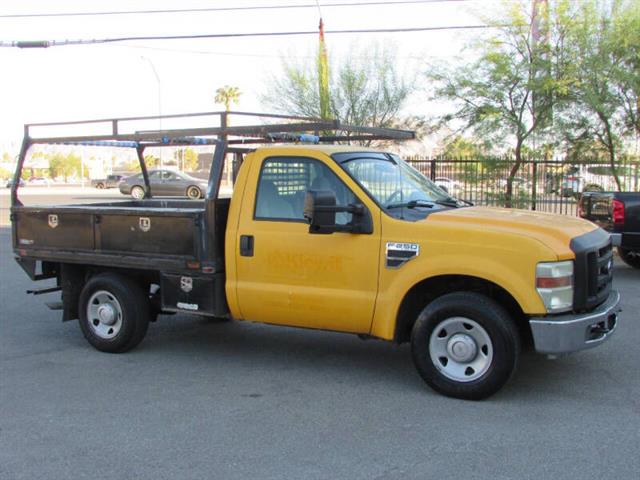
x,y
554,231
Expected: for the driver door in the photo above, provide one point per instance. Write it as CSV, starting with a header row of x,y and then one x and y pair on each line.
x,y
290,276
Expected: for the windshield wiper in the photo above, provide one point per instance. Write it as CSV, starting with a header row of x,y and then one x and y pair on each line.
x,y
413,204
449,202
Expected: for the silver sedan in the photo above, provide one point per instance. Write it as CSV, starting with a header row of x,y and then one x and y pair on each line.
x,y
164,183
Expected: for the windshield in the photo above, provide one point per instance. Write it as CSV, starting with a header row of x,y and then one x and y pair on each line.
x,y
393,183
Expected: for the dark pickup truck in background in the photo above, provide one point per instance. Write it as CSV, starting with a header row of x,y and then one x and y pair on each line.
x,y
619,214
111,181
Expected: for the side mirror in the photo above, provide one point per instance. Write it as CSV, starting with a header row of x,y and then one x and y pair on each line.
x,y
320,210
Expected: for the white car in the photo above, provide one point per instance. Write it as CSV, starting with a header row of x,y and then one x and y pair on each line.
x,y
448,185
39,181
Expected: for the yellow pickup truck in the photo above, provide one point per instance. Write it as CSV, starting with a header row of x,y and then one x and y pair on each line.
x,y
331,237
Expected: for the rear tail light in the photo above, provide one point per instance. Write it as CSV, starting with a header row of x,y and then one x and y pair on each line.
x,y
618,212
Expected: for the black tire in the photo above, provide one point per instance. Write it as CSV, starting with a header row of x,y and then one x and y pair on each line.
x,y
194,193
630,257
500,356
132,321
137,192
100,186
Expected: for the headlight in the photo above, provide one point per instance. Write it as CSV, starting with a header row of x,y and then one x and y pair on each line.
x,y
554,282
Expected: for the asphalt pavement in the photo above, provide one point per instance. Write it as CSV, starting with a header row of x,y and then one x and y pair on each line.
x,y
199,399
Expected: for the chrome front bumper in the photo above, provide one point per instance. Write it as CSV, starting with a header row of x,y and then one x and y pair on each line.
x,y
556,334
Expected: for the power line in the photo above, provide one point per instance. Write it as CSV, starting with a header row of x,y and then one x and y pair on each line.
x,y
222,9
58,43
262,55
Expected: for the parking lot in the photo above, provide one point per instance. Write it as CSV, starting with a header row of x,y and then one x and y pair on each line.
x,y
200,399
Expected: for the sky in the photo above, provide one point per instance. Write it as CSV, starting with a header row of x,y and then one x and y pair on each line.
x,y
135,78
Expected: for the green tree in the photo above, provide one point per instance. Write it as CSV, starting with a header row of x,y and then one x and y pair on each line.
x,y
151,161
227,95
187,159
365,88
625,45
508,92
603,49
65,166
5,174
190,160
457,147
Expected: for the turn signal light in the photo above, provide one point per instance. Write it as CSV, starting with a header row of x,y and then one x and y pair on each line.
x,y
553,282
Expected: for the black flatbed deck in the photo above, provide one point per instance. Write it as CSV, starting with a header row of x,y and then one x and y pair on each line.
x,y
159,234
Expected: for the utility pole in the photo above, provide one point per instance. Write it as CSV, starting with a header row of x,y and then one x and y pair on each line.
x,y
323,75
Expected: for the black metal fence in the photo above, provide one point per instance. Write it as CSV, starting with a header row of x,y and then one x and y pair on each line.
x,y
545,185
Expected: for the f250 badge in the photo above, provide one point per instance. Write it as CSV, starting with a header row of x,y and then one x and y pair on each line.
x,y
53,220
398,253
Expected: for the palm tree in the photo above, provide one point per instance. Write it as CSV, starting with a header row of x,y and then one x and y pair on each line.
x,y
226,95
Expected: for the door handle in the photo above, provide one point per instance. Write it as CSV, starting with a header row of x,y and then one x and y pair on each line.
x,y
246,245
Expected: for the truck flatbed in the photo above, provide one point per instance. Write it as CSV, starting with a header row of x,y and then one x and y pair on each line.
x,y
163,233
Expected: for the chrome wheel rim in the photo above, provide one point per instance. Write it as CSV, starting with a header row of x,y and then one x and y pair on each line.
x,y
137,193
461,349
104,314
193,193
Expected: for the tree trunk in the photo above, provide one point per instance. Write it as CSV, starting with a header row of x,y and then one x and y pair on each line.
x,y
508,197
612,164
611,147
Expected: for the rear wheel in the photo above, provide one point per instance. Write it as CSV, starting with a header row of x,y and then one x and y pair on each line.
x,y
114,312
100,186
465,345
630,257
194,193
137,192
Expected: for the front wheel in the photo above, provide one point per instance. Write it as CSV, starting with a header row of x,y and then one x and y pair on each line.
x,y
630,257
465,345
114,312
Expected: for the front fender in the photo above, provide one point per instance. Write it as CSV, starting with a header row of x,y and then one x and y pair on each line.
x,y
513,269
